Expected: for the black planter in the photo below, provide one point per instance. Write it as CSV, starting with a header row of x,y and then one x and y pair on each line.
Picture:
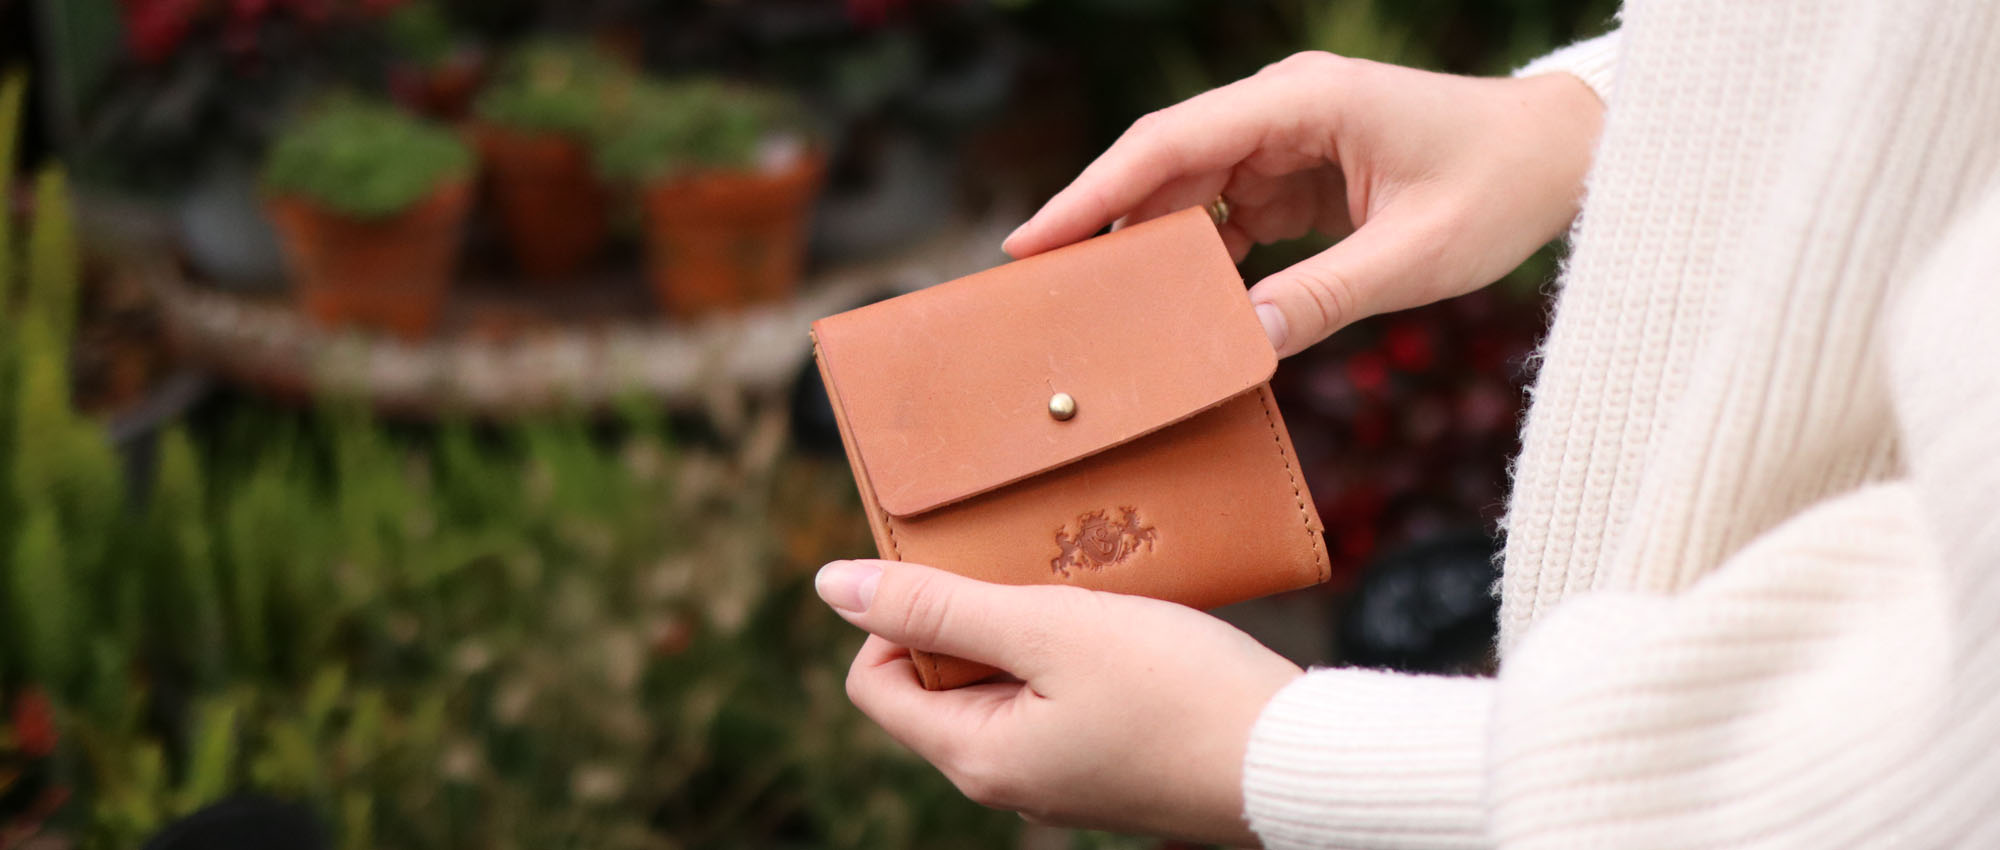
x,y
1426,608
244,822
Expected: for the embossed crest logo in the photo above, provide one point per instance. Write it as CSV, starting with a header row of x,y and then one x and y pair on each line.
x,y
1100,541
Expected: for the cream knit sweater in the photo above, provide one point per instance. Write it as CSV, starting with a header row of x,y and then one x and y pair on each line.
x,y
1752,582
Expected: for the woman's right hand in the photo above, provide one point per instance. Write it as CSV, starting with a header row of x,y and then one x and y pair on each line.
x,y
1436,184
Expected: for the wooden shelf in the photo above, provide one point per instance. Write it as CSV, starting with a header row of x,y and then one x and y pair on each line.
x,y
508,347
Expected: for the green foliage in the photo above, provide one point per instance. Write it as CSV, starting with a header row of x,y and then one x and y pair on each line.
x,y
419,32
364,159
41,415
44,610
60,464
62,488
1359,29
692,125
211,756
52,256
534,636
566,87
182,575
137,789
13,90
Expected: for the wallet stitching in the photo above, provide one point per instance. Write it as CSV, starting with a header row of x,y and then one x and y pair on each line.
x,y
1305,519
861,476
1291,474
896,552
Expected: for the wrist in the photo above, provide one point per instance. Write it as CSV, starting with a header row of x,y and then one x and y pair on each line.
x,y
1229,824
1567,115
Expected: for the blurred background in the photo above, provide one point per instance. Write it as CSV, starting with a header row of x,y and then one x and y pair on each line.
x,y
408,436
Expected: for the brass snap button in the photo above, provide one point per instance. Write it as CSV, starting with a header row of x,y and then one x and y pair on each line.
x,y
1062,407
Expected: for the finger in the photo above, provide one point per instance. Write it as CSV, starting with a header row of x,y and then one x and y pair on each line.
x,y
1392,262
1210,132
1191,191
1013,628
934,724
1272,209
1236,241
878,651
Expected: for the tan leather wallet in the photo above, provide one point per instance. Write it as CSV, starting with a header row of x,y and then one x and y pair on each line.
x,y
1099,415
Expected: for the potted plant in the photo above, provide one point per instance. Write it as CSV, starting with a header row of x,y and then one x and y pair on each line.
x,y
726,178
534,125
433,70
369,205
172,117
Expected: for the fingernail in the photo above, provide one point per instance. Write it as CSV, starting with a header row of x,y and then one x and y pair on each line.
x,y
1012,235
848,585
1273,321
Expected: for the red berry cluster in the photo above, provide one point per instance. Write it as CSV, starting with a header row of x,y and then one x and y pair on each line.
x,y
1405,423
34,723
156,29
868,14
32,797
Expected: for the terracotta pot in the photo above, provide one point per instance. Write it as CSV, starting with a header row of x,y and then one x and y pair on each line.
x,y
390,273
551,204
718,241
443,91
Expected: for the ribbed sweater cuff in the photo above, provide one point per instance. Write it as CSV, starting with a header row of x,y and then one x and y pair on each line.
x,y
1366,759
1594,61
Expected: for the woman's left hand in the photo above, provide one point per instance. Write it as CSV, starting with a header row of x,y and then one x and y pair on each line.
x,y
1129,713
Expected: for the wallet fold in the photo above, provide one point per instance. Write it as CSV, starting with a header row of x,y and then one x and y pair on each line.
x,y
946,389
1171,476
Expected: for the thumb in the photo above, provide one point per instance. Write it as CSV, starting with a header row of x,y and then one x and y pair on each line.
x,y
1387,264
918,607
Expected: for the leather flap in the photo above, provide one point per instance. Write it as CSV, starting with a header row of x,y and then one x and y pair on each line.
x,y
945,391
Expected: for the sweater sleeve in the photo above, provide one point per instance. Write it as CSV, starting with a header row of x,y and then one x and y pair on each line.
x,y
1832,683
1594,61
1364,758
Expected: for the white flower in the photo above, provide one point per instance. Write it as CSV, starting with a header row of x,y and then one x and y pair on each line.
x,y
596,783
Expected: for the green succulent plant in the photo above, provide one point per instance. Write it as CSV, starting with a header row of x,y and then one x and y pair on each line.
x,y
364,159
420,32
693,125
552,86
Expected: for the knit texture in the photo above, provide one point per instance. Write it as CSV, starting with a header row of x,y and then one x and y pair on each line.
x,y
1594,61
1370,759
1751,594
